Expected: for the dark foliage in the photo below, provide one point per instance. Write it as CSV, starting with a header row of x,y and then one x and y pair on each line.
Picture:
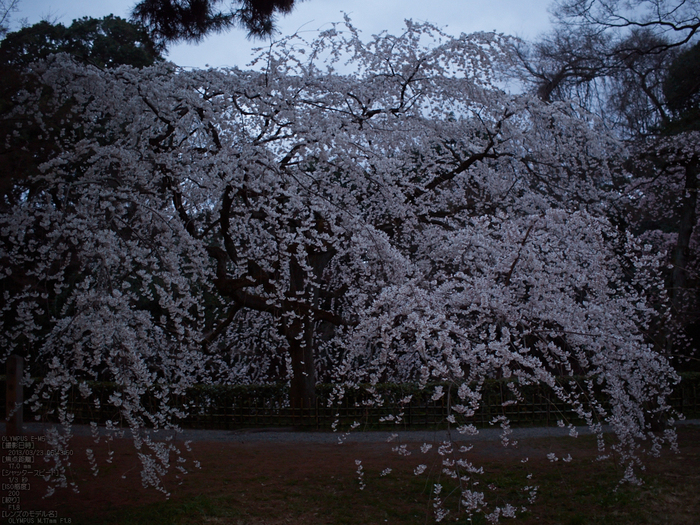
x,y
192,20
682,91
107,42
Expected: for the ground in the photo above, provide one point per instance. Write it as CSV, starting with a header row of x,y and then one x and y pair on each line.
x,y
248,482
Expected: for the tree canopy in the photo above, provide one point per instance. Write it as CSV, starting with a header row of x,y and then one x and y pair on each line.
x,y
407,221
681,91
192,20
634,64
107,42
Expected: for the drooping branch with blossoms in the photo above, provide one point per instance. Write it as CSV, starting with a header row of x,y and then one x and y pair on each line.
x,y
359,212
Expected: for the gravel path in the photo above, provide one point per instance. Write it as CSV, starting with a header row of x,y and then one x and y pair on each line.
x,y
286,435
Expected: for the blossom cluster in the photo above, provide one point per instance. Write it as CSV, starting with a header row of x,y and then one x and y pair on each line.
x,y
406,221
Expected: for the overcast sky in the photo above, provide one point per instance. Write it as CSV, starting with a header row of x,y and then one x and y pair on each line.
x,y
525,18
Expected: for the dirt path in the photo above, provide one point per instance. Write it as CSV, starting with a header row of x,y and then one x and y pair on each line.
x,y
289,435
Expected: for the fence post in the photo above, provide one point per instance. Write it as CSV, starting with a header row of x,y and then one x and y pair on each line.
x,y
14,396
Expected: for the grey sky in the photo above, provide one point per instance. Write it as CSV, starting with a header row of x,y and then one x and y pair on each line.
x,y
525,18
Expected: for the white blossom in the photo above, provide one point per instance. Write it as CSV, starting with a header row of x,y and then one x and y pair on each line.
x,y
409,221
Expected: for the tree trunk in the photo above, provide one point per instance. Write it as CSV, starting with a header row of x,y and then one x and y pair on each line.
x,y
681,254
302,392
299,334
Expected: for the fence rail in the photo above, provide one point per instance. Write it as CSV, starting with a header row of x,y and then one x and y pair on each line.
x,y
232,407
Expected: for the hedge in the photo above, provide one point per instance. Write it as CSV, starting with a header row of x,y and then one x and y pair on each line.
x,y
242,406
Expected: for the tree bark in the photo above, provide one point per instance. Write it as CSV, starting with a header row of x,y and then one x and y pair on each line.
x,y
302,391
301,334
681,254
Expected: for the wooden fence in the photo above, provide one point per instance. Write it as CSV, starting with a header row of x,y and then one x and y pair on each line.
x,y
232,407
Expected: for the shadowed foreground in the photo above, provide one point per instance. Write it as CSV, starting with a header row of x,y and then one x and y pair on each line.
x,y
245,481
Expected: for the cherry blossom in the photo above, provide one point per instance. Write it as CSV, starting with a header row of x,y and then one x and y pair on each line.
x,y
356,211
